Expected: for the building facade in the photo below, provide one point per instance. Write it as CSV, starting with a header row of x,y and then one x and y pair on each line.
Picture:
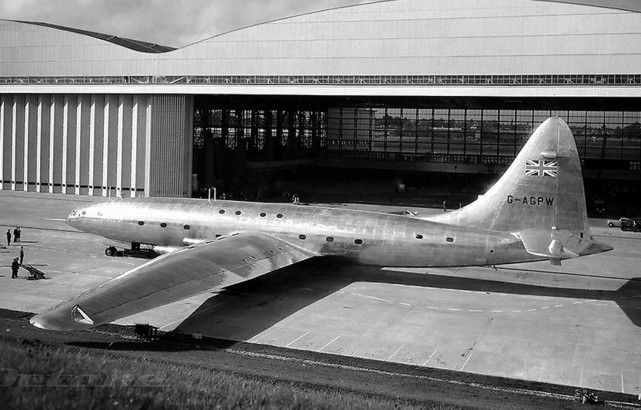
x,y
423,85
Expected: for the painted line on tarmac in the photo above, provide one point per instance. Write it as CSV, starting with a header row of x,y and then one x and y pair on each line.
x,y
428,359
451,309
297,339
333,340
397,350
264,335
467,360
379,299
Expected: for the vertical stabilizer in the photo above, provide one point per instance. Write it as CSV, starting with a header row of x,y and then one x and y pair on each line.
x,y
542,190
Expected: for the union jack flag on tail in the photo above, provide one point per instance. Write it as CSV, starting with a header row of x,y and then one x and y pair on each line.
x,y
541,168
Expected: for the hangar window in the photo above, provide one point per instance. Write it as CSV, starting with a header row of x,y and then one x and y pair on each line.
x,y
302,237
419,236
222,211
263,214
187,227
329,239
358,241
449,239
237,212
163,225
279,216
141,223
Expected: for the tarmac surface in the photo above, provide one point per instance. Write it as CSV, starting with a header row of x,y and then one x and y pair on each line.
x,y
578,324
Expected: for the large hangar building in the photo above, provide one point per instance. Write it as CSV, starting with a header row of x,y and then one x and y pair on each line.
x,y
416,85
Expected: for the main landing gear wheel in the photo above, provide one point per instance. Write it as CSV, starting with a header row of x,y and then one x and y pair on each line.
x,y
110,251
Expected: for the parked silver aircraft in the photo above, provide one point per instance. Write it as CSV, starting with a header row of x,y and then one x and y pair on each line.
x,y
536,211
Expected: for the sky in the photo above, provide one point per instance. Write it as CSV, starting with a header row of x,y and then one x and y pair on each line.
x,y
173,23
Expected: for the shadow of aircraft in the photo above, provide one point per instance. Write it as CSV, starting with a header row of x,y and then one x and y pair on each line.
x,y
282,293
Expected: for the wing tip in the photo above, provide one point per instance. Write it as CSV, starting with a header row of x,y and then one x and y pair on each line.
x,y
62,318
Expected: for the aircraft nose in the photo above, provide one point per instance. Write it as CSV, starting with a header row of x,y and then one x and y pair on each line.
x,y
74,216
71,217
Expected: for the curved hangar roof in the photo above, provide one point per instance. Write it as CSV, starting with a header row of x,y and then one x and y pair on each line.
x,y
397,37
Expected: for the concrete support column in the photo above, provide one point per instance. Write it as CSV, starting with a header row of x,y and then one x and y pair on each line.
x,y
14,138
78,144
92,142
119,164
134,146
65,135
44,144
105,149
52,134
148,148
25,162
98,144
39,143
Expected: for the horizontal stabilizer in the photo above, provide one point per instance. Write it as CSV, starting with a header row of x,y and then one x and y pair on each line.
x,y
558,245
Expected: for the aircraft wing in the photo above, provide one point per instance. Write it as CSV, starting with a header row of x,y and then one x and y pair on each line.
x,y
174,276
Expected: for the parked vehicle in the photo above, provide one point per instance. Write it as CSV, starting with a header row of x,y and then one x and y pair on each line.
x,y
617,222
633,225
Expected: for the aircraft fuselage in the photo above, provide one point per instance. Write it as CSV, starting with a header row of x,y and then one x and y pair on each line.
x,y
361,236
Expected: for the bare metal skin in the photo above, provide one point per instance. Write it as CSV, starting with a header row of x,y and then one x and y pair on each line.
x,y
535,211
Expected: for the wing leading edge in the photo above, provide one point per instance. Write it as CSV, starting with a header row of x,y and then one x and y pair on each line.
x,y
175,276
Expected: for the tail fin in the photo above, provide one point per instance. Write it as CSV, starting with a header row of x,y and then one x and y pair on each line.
x,y
543,188
540,197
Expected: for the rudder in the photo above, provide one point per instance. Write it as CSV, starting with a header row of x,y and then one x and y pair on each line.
x,y
542,189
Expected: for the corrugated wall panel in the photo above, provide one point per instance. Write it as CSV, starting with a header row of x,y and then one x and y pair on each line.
x,y
83,138
126,104
171,139
138,161
31,143
111,139
57,126
96,144
98,110
17,142
70,183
